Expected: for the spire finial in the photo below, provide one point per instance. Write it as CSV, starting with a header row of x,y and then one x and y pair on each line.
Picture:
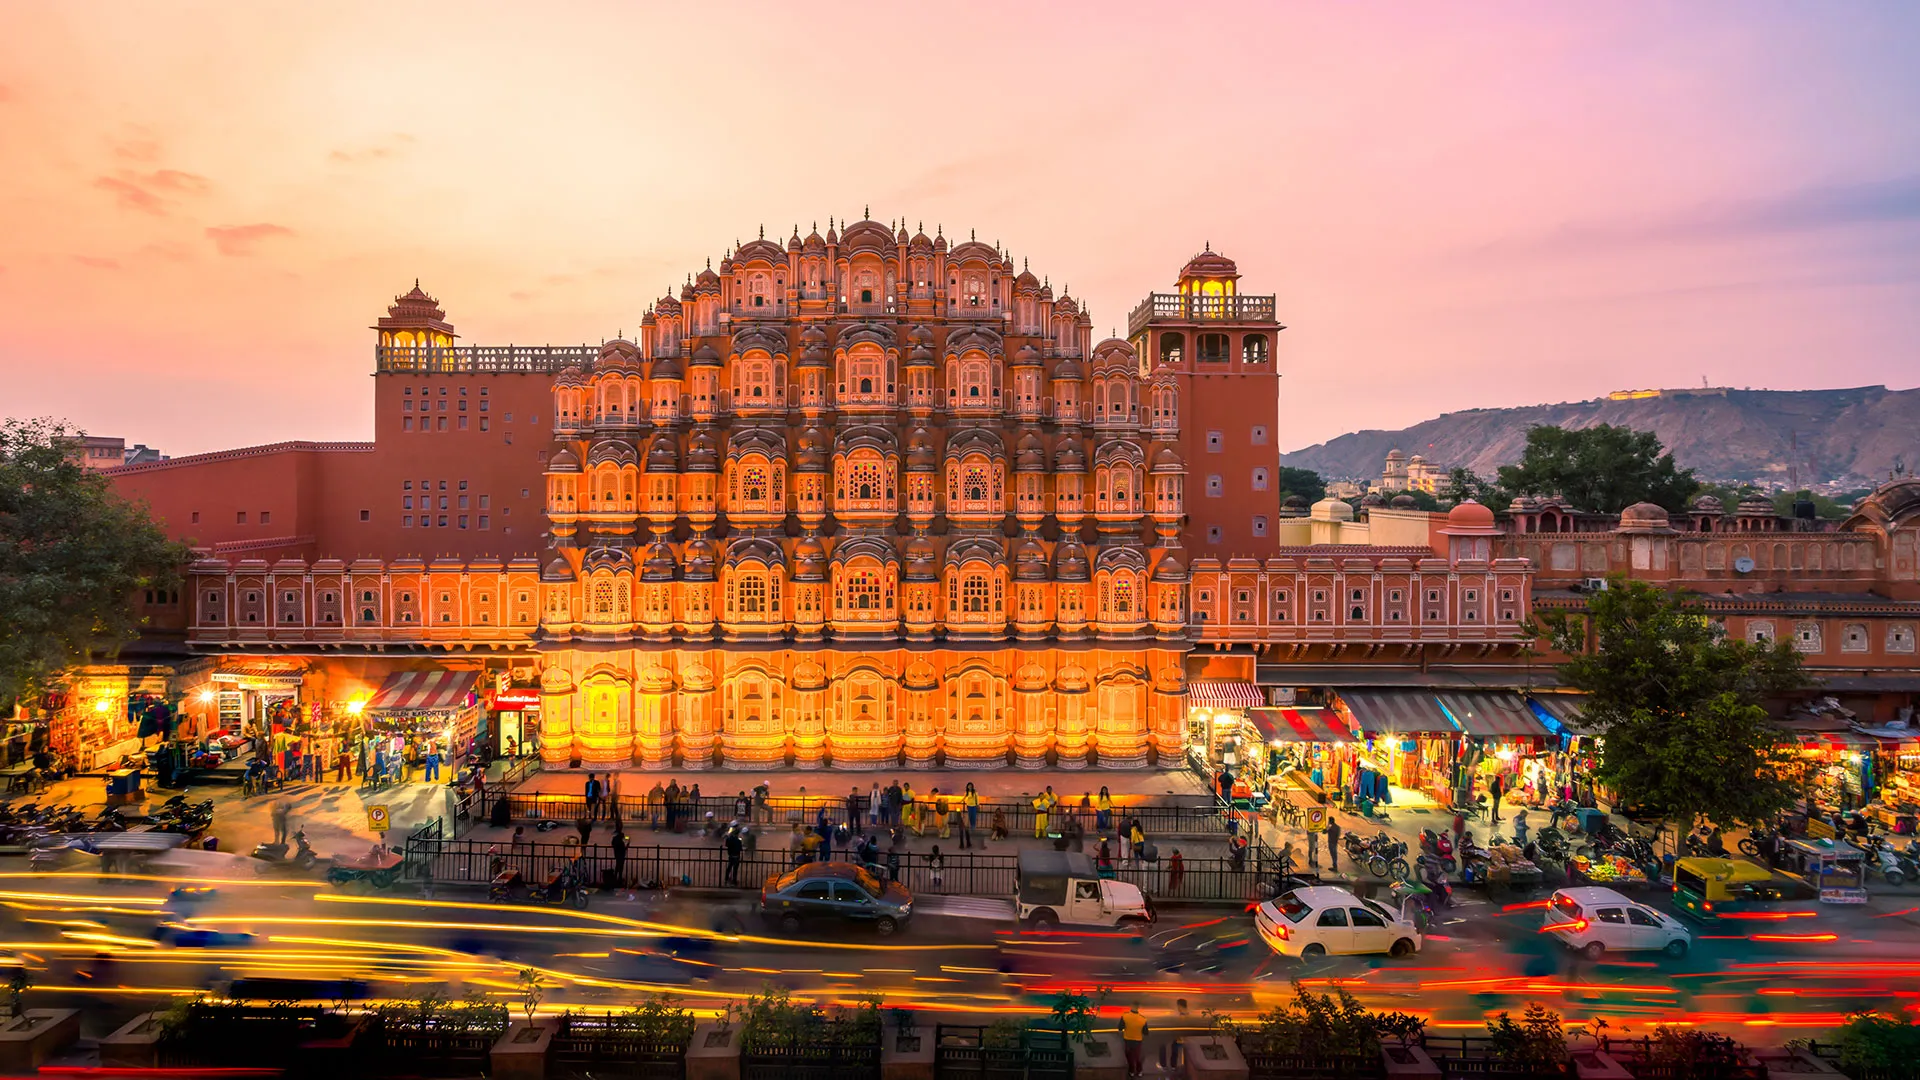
x,y
1208,248
973,234
763,231
919,226
867,211
1023,263
416,283
709,262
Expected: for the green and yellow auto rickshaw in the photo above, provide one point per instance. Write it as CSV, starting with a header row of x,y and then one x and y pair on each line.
x,y
1709,889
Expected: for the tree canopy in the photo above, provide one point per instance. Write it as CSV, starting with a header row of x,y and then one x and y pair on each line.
x,y
1679,702
72,555
1302,482
1603,469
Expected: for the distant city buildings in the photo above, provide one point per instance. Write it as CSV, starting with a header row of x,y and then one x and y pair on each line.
x,y
101,452
1403,473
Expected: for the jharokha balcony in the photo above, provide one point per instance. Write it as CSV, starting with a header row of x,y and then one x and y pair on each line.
x,y
1190,308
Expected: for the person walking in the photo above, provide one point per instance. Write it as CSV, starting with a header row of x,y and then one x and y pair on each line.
x,y
1496,787
1313,850
855,803
971,800
1135,838
1103,810
966,824
619,856
894,852
874,799
909,807
433,763
734,846
936,865
1176,872
281,811
585,828
1133,1033
591,793
1039,816
742,807
1333,843
943,806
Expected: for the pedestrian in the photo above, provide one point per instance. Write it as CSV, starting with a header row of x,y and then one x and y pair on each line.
x,y
734,845
972,801
1313,850
1459,830
656,800
591,794
1496,787
1333,843
909,807
1133,1032
342,767
1520,827
1176,873
742,807
874,800
762,800
810,847
1104,858
519,835
823,826
943,806
1172,1057
619,856
280,813
1039,816
1103,810
935,865
693,799
895,851
585,826
1135,838
999,831
890,809
854,805
966,826
673,805
433,763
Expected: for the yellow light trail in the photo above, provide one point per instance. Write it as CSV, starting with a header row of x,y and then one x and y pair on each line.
x,y
74,898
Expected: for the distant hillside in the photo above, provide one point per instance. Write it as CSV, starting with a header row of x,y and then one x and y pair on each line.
x,y
1726,435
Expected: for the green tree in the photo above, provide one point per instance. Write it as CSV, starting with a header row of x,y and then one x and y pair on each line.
x,y
1463,484
1873,1041
1679,702
72,555
1302,482
1603,468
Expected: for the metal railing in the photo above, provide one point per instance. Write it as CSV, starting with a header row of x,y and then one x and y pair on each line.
x,y
961,873
1182,307
1201,818
471,359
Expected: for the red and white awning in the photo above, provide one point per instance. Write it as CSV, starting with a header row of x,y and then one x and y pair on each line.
x,y
1223,694
424,691
1301,725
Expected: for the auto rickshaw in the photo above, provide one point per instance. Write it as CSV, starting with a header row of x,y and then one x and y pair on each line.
x,y
1708,889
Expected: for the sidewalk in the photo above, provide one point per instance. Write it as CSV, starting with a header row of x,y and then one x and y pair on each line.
x,y
1134,786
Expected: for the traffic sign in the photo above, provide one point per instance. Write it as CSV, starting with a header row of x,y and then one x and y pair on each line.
x,y
1316,819
377,819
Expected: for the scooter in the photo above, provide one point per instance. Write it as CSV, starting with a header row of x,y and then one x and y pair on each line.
x,y
1439,847
1884,860
276,854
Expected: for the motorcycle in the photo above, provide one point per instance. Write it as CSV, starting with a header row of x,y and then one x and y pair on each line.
x,y
1757,841
560,889
302,858
1882,859
1438,846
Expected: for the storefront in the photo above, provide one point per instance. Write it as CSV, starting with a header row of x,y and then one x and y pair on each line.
x,y
513,718
1220,733
420,707
255,696
1440,747
1307,750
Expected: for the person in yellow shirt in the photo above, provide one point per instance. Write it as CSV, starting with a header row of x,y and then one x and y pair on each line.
x,y
1039,816
942,807
972,801
1103,810
1133,1032
909,811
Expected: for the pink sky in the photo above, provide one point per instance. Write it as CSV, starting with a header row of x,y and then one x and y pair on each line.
x,y
203,206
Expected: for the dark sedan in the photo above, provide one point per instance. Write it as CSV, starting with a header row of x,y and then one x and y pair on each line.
x,y
834,892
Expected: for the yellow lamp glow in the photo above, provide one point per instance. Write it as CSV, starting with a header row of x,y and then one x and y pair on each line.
x,y
354,707
102,705
206,696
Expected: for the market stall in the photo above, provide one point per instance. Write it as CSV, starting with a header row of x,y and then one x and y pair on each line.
x,y
434,708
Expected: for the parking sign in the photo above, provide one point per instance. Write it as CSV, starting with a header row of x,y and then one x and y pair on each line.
x,y
377,818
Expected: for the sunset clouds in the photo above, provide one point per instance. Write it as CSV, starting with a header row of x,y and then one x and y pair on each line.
x,y
205,205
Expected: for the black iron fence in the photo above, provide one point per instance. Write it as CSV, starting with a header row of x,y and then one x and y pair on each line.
x,y
811,1062
959,873
968,1052
1200,818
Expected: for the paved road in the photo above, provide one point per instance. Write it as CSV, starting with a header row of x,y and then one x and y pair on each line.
x,y
121,945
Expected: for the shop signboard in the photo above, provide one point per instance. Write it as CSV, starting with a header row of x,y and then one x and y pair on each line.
x,y
523,700
1843,895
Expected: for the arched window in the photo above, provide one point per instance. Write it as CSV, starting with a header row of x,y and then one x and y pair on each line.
x,y
753,483
1122,596
973,482
974,594
752,595
861,591
603,598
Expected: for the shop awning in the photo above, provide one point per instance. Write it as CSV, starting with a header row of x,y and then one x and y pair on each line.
x,y
1397,712
1564,710
1223,694
424,691
1301,725
1491,714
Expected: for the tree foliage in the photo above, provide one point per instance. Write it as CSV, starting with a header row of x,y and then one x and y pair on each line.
x,y
1603,469
1538,1041
1679,702
1323,1025
1302,482
1874,1041
1463,484
72,555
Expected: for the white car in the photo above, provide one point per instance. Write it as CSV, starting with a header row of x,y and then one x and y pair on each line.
x,y
1595,921
1324,920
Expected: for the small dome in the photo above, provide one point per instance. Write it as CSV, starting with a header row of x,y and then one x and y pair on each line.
x,y
662,456
667,305
1470,515
1403,501
809,559
1170,568
1209,263
1708,504
795,244
1331,509
702,453
660,564
557,570
920,453
1168,460
1026,356
699,561
1068,458
1065,369
1296,504
1066,305
563,460
922,560
1029,560
1755,506
1025,281
1416,460
1069,561
1643,517
1031,453
667,369
813,451
618,353
705,356
1373,498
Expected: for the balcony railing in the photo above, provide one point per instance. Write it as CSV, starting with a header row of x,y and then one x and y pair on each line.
x,y
474,359
1180,307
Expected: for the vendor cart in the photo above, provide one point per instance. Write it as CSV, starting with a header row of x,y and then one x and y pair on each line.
x,y
1835,867
379,868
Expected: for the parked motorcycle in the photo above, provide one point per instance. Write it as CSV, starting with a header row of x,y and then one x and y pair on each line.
x,y
1883,860
1439,847
302,858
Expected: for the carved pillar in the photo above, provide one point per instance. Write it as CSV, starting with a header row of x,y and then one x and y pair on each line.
x,y
653,721
922,732
556,718
807,728
1069,730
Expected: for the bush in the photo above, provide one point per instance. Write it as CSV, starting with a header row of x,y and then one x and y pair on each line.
x,y
1538,1041
1319,1025
771,1020
434,1011
1872,1041
1003,1034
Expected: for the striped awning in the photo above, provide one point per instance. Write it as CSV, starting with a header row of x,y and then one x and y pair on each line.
x,y
1397,712
1223,694
1491,714
1301,725
424,691
1562,710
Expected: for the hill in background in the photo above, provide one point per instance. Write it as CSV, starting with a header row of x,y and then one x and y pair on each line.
x,y
1723,434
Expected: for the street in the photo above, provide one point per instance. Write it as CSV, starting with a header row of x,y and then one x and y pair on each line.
x,y
120,945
